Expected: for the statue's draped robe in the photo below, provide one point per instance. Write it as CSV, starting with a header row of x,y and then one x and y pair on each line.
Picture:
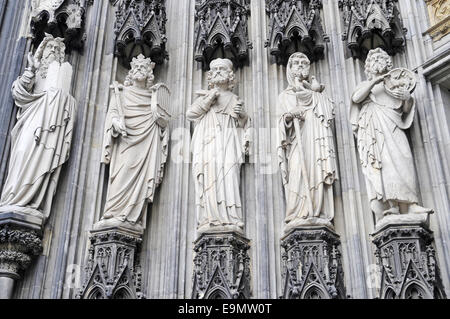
x,y
317,151
218,147
384,150
136,160
40,145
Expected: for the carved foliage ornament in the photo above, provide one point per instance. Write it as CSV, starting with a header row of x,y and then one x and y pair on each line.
x,y
295,26
221,31
221,267
140,28
312,265
369,24
18,246
60,18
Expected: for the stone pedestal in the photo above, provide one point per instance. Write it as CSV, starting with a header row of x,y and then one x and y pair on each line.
x,y
312,264
407,260
221,267
20,241
113,270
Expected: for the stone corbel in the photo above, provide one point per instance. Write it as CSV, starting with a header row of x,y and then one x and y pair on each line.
x,y
295,26
407,260
113,270
221,267
312,264
221,31
20,242
140,28
60,18
370,24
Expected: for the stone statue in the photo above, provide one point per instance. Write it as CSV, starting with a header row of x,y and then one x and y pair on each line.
x,y
41,138
306,147
219,145
382,108
135,146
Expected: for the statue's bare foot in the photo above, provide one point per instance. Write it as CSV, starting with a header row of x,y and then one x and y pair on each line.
x,y
416,209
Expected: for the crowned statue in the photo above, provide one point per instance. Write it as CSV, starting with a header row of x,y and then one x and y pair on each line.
x,y
382,109
219,145
135,146
306,152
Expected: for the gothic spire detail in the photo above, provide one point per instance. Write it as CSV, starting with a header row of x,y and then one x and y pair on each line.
x,y
295,26
60,18
140,28
221,31
369,24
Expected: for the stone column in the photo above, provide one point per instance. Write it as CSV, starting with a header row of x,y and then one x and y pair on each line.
x,y
221,266
407,260
113,270
312,264
20,241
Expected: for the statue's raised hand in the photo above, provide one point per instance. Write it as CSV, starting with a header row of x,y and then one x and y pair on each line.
x,y
401,94
32,62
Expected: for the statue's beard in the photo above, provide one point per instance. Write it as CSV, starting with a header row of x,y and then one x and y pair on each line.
x,y
51,57
139,77
45,62
378,68
219,79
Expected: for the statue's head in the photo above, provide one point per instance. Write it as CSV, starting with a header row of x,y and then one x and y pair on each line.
x,y
221,73
50,50
298,67
141,71
378,62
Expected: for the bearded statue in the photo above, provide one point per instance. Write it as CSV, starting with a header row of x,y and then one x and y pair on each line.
x,y
42,136
136,143
219,145
306,152
382,109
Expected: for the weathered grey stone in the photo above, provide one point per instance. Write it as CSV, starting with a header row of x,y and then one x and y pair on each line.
x,y
140,28
407,259
371,24
113,270
221,31
221,267
295,26
19,244
312,266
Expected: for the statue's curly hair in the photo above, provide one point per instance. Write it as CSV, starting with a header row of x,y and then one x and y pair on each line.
x,y
371,56
150,66
40,52
231,76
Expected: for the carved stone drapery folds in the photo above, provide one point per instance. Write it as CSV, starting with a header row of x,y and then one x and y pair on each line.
x,y
140,28
60,18
408,263
221,267
295,26
312,264
369,24
221,31
113,270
